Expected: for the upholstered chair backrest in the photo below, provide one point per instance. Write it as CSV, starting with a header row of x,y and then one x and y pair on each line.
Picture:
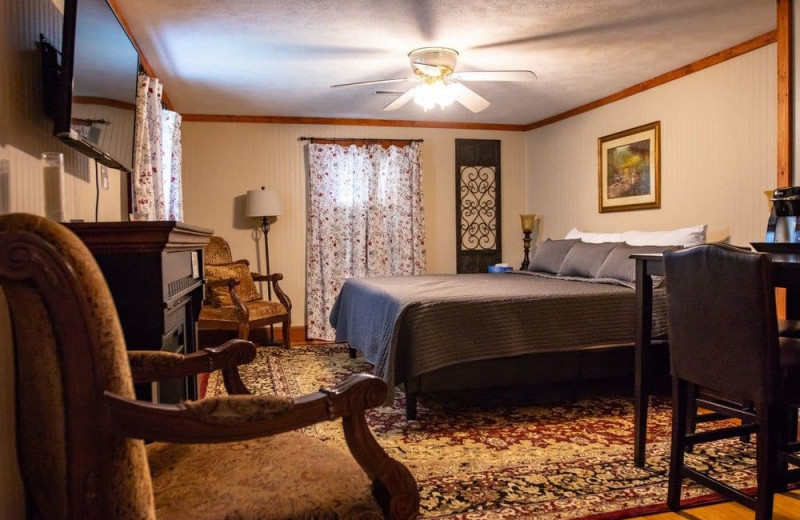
x,y
68,349
722,320
217,251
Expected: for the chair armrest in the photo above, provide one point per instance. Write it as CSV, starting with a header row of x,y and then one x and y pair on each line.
x,y
193,422
155,365
274,278
223,282
230,283
237,418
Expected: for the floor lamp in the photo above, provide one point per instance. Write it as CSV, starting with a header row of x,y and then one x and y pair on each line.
x,y
264,204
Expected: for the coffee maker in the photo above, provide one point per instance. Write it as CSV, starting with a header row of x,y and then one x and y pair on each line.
x,y
783,223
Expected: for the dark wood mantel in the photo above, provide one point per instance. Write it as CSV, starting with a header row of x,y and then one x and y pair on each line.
x,y
131,237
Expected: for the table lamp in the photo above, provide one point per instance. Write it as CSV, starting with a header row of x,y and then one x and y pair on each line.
x,y
528,222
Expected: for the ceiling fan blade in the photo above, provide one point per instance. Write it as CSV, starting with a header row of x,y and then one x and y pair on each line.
x,y
468,98
497,75
402,100
373,82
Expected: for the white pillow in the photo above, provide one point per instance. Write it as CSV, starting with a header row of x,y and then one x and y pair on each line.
x,y
688,236
594,238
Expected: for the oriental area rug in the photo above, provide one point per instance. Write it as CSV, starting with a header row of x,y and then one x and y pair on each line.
x,y
509,454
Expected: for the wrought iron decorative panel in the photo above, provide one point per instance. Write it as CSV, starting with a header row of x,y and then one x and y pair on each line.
x,y
478,208
477,204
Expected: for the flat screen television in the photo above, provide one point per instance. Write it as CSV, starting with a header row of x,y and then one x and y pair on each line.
x,y
95,84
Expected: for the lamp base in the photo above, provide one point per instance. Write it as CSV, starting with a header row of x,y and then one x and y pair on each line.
x,y
526,247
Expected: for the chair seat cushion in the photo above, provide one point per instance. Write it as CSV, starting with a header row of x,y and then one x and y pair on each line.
x,y
286,476
259,310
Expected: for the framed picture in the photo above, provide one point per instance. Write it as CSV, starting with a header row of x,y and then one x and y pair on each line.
x,y
629,169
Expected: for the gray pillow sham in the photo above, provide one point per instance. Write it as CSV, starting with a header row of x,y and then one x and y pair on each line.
x,y
620,266
550,254
585,259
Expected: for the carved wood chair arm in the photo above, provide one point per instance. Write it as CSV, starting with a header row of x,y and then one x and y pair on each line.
x,y
274,278
222,282
148,366
236,418
243,417
230,283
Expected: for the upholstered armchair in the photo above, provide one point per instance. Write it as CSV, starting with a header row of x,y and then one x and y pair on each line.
x,y
80,430
232,300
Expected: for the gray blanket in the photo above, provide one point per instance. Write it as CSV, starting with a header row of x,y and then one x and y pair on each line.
x,y
410,325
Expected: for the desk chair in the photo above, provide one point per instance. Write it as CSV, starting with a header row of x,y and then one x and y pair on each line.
x,y
725,351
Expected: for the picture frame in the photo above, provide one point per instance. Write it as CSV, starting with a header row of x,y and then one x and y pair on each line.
x,y
629,169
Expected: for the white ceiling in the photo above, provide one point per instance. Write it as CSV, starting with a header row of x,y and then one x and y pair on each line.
x,y
279,58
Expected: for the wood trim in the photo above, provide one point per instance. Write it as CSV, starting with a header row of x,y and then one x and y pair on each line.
x,y
785,156
290,120
785,105
385,143
142,58
114,103
704,63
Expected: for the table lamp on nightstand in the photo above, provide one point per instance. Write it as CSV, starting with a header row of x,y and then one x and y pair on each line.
x,y
528,225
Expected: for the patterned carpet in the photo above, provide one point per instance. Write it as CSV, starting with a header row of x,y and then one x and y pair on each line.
x,y
508,454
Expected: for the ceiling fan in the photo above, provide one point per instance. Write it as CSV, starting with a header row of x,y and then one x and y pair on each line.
x,y
435,67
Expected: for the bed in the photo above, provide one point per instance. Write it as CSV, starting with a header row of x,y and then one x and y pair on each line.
x,y
435,333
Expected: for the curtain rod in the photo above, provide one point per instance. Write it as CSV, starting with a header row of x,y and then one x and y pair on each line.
x,y
357,139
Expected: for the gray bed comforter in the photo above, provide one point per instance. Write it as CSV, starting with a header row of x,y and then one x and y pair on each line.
x,y
410,325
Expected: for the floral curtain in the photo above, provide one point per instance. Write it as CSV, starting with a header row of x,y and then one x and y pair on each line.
x,y
157,163
171,164
365,218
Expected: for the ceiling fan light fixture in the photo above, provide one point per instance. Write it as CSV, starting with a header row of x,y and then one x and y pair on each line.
x,y
435,93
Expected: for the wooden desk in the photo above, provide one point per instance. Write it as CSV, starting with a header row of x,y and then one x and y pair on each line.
x,y
785,273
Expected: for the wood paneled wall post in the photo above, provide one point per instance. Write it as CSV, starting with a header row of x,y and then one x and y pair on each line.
x,y
785,168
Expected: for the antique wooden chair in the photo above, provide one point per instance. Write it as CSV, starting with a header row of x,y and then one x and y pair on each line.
x,y
80,429
726,356
232,300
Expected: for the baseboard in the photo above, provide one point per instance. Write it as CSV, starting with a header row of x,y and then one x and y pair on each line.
x,y
297,335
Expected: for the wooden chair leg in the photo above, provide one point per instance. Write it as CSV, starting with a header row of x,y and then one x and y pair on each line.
x,y
680,409
286,332
691,413
244,331
766,460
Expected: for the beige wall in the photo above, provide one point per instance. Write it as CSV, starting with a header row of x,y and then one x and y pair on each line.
x,y
25,132
224,160
718,154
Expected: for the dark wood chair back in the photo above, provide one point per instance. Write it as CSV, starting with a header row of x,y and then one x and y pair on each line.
x,y
726,357
722,321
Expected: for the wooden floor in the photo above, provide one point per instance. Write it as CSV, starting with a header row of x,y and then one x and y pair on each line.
x,y
787,507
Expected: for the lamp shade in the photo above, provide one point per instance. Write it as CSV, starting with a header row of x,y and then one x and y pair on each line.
x,y
263,203
528,222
